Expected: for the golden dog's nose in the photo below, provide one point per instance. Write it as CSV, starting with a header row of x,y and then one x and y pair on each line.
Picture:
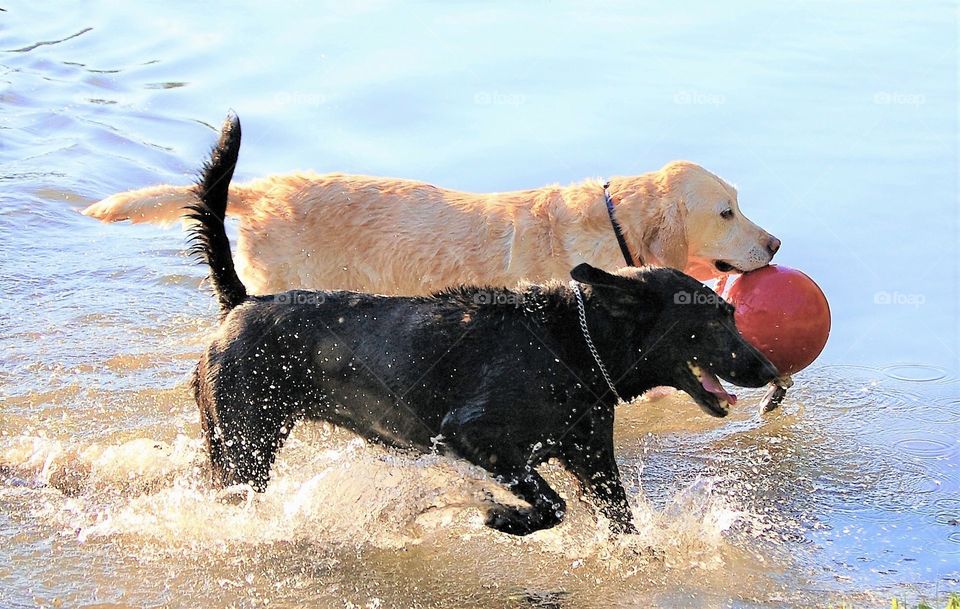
x,y
773,245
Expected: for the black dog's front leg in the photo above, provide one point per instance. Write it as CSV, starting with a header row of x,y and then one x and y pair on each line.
x,y
598,475
546,509
588,453
489,446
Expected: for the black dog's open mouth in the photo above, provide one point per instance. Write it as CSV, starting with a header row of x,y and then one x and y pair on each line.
x,y
708,392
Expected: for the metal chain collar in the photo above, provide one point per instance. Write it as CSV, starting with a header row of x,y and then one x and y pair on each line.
x,y
586,334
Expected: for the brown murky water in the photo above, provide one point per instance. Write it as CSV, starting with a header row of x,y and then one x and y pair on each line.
x,y
829,121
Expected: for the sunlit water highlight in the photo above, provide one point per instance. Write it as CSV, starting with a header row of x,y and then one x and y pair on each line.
x,y
838,124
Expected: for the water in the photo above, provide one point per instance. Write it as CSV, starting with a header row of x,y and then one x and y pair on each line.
x,y
838,123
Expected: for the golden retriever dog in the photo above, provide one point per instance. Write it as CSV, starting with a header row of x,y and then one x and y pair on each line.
x,y
395,236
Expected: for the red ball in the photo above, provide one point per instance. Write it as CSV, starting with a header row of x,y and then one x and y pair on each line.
x,y
781,312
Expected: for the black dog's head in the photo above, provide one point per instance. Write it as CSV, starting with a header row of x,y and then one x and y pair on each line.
x,y
682,332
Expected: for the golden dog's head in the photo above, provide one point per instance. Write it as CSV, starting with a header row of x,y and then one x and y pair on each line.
x,y
687,218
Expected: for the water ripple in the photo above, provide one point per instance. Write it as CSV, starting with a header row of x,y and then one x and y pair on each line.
x,y
916,373
927,446
946,411
955,538
948,518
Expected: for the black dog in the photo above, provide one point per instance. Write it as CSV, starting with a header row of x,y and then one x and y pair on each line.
x,y
505,379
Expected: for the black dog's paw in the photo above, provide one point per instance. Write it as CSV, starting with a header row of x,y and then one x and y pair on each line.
x,y
514,521
520,521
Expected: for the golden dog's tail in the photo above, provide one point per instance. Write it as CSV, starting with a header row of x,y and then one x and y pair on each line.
x,y
162,204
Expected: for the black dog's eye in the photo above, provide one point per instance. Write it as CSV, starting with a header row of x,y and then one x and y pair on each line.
x,y
726,214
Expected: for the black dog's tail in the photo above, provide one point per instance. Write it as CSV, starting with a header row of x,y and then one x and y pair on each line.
x,y
208,237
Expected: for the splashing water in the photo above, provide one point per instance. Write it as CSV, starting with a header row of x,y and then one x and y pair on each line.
x,y
347,494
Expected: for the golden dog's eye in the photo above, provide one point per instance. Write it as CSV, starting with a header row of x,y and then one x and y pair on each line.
x,y
726,214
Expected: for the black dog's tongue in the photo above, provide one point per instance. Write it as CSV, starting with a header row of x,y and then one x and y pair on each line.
x,y
712,384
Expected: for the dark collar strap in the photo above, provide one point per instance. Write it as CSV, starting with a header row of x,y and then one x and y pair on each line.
x,y
616,226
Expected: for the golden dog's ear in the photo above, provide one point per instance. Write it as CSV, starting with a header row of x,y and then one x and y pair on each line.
x,y
667,236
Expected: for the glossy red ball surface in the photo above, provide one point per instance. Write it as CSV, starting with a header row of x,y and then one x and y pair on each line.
x,y
781,312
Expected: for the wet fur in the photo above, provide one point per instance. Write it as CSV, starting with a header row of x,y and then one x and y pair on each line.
x,y
500,378
404,237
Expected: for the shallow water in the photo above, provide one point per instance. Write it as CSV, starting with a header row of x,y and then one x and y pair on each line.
x,y
837,122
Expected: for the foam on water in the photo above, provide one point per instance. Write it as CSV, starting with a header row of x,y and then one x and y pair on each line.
x,y
345,494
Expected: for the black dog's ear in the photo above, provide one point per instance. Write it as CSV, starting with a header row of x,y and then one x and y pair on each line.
x,y
591,275
634,298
